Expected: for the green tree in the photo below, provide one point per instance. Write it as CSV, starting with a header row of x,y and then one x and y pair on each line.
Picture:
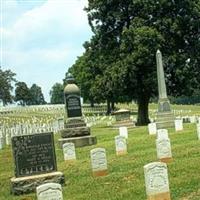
x,y
37,97
6,80
57,94
22,93
129,32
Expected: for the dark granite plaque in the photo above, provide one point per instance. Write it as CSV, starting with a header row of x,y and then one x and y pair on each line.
x,y
34,154
73,106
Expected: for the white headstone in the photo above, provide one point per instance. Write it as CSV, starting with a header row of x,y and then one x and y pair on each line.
x,y
120,144
49,191
152,128
198,130
98,161
69,151
123,131
8,139
192,119
1,143
178,124
156,180
163,148
162,133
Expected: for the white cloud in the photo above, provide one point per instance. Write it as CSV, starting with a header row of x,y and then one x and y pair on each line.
x,y
42,40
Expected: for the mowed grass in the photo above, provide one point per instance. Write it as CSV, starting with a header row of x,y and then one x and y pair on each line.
x,y
126,177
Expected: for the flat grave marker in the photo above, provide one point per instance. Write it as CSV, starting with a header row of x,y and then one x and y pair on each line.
x,y
49,191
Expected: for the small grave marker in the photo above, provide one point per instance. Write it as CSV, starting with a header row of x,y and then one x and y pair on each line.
x,y
123,131
156,181
49,191
69,151
152,128
162,133
120,144
198,130
178,124
163,148
99,162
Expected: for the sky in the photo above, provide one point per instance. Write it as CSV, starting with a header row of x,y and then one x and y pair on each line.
x,y
41,39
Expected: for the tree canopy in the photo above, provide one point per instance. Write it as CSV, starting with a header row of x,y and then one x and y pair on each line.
x,y
7,78
22,93
37,97
57,94
28,96
119,60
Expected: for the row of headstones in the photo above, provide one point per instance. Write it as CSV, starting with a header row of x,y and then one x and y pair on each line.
x,y
32,108
94,120
178,125
49,191
156,175
6,133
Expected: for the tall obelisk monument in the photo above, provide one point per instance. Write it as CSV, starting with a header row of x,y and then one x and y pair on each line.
x,y
165,118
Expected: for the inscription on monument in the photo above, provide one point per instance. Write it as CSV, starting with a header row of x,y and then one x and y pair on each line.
x,y
34,154
73,106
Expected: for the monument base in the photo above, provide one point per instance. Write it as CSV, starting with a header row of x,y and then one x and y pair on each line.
x,y
128,124
75,131
28,184
79,141
121,153
166,160
100,173
160,196
165,120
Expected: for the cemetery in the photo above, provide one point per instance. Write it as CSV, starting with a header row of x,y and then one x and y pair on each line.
x,y
120,175
124,124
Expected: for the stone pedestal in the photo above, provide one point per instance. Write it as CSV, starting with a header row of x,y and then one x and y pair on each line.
x,y
165,118
79,141
127,123
28,184
122,117
77,132
161,196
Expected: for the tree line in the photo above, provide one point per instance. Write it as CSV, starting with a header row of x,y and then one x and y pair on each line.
x,y
23,95
119,65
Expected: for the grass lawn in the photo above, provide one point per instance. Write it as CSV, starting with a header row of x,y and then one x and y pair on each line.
x,y
126,177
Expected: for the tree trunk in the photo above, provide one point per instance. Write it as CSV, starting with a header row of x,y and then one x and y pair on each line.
x,y
108,107
143,112
92,103
112,105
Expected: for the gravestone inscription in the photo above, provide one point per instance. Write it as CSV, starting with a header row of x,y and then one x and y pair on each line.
x,y
98,162
73,105
120,144
156,181
69,151
34,154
